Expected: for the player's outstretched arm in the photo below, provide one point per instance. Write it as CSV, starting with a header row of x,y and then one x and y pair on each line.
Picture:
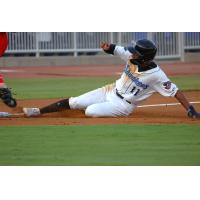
x,y
190,109
114,49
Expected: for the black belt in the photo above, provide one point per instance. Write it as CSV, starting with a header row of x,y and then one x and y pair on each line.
x,y
121,97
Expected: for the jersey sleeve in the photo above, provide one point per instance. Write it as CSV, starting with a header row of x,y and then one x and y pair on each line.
x,y
165,87
122,52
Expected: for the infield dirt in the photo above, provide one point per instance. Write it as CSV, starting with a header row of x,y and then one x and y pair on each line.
x,y
151,115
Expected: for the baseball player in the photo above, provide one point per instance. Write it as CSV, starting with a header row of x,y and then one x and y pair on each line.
x,y
5,93
140,79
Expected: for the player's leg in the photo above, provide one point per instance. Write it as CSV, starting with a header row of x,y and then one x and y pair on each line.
x,y
112,107
108,109
81,102
3,42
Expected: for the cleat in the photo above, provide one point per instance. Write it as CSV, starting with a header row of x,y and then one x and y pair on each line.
x,y
29,112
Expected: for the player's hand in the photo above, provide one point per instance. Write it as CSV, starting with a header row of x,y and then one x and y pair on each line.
x,y
105,45
193,113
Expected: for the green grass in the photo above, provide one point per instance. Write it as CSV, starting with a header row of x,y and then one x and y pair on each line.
x,y
36,88
187,82
55,87
124,145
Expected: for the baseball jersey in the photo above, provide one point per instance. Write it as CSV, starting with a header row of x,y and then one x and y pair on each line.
x,y
136,86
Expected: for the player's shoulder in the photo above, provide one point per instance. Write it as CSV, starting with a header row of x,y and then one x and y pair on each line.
x,y
153,68
156,74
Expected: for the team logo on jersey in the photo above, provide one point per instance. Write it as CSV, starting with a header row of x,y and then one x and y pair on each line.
x,y
134,79
167,85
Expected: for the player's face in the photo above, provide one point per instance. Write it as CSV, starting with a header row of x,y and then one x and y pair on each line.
x,y
135,56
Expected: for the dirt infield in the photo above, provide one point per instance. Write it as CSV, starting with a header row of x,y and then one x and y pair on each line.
x,y
152,115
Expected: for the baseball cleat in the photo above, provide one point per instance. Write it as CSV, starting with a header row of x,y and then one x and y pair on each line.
x,y
29,112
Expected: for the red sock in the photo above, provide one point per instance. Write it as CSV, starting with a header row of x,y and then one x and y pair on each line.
x,y
2,84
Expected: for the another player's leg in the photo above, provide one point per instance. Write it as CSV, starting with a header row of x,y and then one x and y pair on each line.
x,y
80,102
6,95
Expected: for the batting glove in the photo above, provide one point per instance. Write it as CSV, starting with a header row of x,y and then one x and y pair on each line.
x,y
193,113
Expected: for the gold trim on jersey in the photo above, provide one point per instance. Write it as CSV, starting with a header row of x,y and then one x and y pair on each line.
x,y
109,87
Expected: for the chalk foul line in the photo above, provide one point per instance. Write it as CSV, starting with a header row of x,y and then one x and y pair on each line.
x,y
166,104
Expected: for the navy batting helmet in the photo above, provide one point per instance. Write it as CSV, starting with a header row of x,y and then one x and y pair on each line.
x,y
144,49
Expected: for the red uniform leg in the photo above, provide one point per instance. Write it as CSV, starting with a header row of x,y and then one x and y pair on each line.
x,y
3,42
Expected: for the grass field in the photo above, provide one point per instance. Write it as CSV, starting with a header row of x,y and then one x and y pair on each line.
x,y
62,87
95,145
112,145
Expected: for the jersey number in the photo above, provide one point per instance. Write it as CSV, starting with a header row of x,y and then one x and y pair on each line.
x,y
137,91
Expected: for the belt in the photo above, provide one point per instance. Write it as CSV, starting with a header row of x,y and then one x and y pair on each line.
x,y
121,97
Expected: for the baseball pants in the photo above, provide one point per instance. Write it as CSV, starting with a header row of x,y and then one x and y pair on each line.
x,y
101,103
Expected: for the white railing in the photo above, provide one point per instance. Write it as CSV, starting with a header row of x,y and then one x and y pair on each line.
x,y
192,40
170,44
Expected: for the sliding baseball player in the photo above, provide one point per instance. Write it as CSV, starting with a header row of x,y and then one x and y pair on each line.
x,y
140,78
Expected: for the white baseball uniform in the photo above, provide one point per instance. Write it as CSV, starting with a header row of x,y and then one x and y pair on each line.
x,y
123,96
